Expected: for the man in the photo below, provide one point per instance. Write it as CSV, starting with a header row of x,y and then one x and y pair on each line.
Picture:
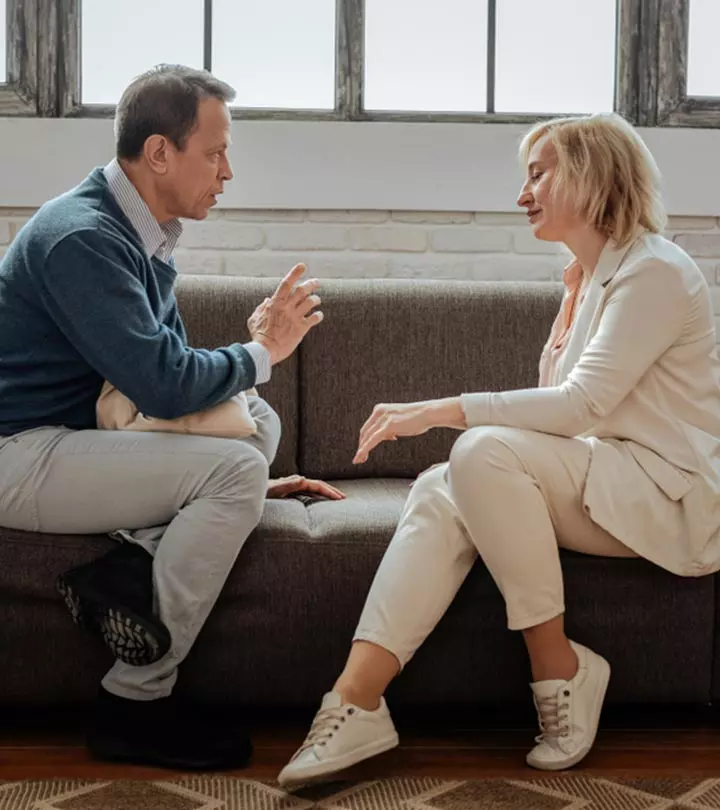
x,y
86,295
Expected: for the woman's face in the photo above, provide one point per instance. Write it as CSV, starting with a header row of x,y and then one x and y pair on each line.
x,y
551,216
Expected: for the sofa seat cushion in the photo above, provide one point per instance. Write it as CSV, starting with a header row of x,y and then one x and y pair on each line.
x,y
283,625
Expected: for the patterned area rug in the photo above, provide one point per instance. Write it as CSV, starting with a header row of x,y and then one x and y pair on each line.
x,y
225,793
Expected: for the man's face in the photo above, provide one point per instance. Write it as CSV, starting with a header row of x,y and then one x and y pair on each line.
x,y
196,175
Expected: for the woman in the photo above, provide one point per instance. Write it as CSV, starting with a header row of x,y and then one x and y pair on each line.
x,y
615,454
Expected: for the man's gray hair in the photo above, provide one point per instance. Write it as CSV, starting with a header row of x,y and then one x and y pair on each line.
x,y
164,101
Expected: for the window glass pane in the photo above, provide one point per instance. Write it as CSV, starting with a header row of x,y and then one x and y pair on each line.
x,y
557,56
425,55
704,52
276,53
3,42
122,40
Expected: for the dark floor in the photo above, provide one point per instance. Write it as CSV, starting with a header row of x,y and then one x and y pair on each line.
x,y
635,741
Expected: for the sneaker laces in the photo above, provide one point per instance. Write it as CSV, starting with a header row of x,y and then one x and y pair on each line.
x,y
325,724
552,717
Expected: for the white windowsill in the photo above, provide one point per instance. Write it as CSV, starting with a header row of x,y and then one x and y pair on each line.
x,y
330,165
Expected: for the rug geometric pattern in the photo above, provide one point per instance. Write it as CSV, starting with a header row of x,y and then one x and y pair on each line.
x,y
211,792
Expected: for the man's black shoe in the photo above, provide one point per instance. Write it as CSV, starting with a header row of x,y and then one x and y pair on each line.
x,y
113,596
166,733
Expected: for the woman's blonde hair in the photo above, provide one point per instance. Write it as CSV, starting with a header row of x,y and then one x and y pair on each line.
x,y
606,171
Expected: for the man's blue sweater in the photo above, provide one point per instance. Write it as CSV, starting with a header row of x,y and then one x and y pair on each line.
x,y
82,302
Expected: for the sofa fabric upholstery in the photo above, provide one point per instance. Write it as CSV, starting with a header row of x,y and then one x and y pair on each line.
x,y
284,623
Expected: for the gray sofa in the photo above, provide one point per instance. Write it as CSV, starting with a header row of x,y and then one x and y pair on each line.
x,y
282,627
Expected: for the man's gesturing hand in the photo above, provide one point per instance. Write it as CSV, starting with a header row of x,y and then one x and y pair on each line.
x,y
281,322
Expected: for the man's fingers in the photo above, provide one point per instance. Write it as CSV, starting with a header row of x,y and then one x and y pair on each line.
x,y
312,320
285,287
303,290
325,489
309,304
318,487
338,494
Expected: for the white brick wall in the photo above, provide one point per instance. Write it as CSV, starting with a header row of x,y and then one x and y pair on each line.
x,y
400,244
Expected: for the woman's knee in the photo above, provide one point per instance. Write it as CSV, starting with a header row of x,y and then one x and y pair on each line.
x,y
485,451
430,480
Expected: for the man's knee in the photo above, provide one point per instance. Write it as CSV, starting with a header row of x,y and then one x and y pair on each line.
x,y
240,474
269,428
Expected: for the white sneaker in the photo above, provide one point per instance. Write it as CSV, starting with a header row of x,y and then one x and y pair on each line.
x,y
341,735
569,712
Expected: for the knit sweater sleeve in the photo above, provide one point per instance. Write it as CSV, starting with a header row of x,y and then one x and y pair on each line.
x,y
91,284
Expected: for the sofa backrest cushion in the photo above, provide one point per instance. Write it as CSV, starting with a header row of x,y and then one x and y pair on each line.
x,y
407,340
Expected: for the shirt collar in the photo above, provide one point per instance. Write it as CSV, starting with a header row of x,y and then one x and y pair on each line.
x,y
159,240
572,275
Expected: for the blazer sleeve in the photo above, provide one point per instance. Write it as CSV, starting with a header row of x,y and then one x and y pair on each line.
x,y
644,315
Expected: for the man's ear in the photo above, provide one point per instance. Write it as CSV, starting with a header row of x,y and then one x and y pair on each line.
x,y
155,150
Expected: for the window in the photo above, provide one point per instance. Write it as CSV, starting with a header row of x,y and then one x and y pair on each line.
x,y
142,35
276,53
283,65
555,57
703,51
655,61
366,59
421,55
500,56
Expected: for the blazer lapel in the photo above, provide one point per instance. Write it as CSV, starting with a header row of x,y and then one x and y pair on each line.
x,y
588,314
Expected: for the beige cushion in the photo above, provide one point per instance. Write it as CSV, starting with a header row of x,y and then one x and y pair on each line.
x,y
228,420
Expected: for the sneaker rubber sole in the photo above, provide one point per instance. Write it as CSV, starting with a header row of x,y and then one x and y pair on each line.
x,y
132,639
327,771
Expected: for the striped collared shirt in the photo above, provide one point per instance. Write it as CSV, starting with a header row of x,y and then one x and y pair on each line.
x,y
159,240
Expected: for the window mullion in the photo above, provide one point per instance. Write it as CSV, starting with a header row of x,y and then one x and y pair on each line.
x,y
350,56
673,29
491,54
207,34
67,57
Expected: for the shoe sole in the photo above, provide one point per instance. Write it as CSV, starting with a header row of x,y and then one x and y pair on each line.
x,y
131,639
328,770
585,750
